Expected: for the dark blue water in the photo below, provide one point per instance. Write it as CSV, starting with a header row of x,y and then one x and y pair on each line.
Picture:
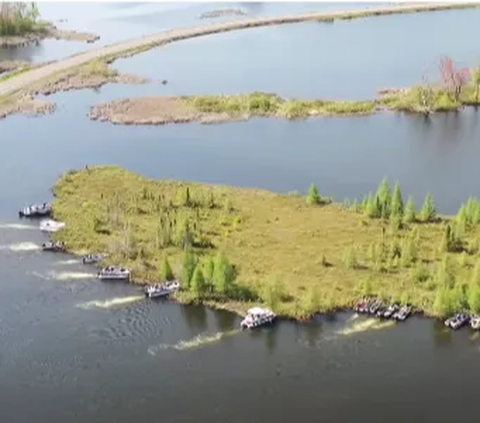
x,y
74,349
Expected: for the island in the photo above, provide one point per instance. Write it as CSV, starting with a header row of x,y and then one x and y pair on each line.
x,y
20,25
455,89
235,247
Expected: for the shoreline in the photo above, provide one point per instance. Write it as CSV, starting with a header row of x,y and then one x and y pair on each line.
x,y
299,261
48,31
215,109
131,47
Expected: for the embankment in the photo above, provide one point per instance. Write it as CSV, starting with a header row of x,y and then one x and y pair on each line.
x,y
131,47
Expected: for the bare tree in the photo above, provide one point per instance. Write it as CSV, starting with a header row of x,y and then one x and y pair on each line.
x,y
452,79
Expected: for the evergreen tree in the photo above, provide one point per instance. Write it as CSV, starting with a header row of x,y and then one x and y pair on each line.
x,y
186,199
188,267
474,298
462,215
313,197
410,212
396,205
364,203
428,211
384,198
223,274
166,272
198,283
445,274
372,208
209,269
420,272
355,206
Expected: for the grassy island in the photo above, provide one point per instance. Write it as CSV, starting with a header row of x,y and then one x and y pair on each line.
x,y
455,89
231,246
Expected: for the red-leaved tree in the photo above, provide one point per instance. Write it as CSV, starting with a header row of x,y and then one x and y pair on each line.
x,y
452,79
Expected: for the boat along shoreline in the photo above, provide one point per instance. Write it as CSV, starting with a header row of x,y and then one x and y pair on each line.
x,y
299,256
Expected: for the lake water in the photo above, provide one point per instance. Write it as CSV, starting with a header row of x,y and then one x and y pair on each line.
x,y
74,349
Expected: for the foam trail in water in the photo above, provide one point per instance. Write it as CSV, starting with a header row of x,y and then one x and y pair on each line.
x,y
19,226
67,262
111,302
65,276
197,342
366,325
21,246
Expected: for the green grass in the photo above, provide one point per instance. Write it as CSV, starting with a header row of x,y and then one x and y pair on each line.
x,y
267,104
97,67
318,256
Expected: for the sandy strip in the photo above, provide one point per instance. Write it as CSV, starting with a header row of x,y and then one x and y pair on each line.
x,y
128,47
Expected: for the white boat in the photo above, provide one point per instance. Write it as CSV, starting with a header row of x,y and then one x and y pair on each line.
x,y
50,225
112,273
53,246
161,289
258,317
475,322
36,210
93,258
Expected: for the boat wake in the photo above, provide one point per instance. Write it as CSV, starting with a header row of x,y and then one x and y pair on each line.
x,y
18,226
364,326
197,342
65,276
67,262
106,304
21,246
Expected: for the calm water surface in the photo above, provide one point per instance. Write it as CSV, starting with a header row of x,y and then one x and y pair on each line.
x,y
73,349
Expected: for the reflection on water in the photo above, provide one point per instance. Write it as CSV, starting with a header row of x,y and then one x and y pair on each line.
x,y
225,320
196,317
442,336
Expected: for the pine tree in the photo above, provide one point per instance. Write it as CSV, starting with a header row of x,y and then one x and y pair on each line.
x,y
223,274
198,283
409,253
384,198
445,275
364,204
428,211
372,208
188,267
410,212
209,269
355,206
313,197
166,272
396,205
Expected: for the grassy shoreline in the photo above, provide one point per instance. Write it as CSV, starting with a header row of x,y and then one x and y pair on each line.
x,y
162,110
298,257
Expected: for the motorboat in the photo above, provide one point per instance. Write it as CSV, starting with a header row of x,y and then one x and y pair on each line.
x,y
53,246
112,273
403,313
257,317
93,258
391,310
374,307
36,210
475,322
381,310
50,225
457,321
161,289
362,305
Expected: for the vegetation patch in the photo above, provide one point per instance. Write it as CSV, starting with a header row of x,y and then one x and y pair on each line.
x,y
299,255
